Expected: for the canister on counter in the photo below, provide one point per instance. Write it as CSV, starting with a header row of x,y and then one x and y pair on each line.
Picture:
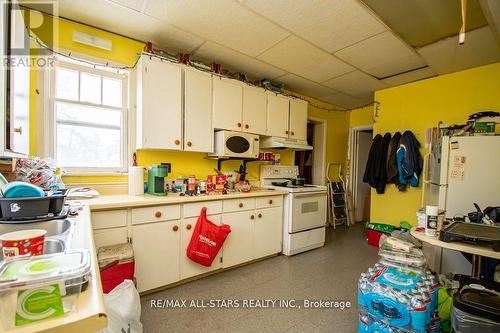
x,y
431,224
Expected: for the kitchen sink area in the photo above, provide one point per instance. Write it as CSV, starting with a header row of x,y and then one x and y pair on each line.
x,y
58,238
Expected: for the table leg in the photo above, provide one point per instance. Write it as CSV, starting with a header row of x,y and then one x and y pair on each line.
x,y
477,261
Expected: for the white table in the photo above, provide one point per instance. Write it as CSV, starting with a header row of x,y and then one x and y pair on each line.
x,y
477,251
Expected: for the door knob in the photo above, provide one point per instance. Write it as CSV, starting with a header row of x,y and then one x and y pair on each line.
x,y
239,124
188,227
240,205
175,228
271,201
18,130
252,217
293,133
177,142
158,214
259,216
286,132
246,126
189,143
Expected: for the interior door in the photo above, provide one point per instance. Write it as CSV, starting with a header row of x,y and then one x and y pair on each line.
x,y
161,105
298,119
363,144
277,115
254,110
227,104
198,130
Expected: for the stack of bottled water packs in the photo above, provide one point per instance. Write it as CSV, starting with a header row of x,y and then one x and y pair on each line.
x,y
399,293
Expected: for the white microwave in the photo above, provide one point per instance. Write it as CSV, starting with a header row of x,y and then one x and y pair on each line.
x,y
236,144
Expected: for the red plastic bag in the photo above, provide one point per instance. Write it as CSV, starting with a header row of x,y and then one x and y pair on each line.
x,y
206,241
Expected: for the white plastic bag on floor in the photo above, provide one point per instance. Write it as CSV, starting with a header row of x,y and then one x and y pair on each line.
x,y
123,306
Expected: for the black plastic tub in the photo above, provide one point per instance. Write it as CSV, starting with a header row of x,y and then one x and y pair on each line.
x,y
24,208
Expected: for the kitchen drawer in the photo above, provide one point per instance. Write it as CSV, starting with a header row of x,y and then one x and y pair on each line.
x,y
236,205
267,202
194,209
155,214
109,219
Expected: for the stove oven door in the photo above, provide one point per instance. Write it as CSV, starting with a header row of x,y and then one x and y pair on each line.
x,y
307,211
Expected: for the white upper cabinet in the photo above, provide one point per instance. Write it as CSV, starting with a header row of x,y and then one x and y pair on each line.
x,y
159,104
298,119
227,104
277,115
254,110
198,129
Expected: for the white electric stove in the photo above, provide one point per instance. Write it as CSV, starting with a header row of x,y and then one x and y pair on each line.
x,y
304,208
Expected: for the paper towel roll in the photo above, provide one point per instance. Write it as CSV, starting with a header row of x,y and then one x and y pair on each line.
x,y
135,180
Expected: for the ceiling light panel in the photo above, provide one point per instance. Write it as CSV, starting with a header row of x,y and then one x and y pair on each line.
x,y
381,56
448,56
357,84
235,61
329,24
224,22
304,86
299,57
418,74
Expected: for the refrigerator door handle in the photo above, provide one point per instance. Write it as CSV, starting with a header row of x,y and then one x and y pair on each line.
x,y
424,178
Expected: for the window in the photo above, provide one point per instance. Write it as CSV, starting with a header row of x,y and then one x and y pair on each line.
x,y
89,117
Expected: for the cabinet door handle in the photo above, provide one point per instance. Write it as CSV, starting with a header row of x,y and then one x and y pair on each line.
x,y
188,227
252,217
259,216
239,124
175,228
286,132
177,142
247,126
18,130
189,143
240,205
271,201
293,133
158,214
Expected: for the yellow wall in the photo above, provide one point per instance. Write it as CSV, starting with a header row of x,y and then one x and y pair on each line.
x,y
125,52
420,105
361,117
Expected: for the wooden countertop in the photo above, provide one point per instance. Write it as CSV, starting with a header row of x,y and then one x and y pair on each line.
x,y
481,250
125,200
90,313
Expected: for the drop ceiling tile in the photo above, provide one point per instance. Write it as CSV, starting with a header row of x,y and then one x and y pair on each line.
x,y
304,86
356,84
381,55
343,100
299,57
408,77
492,12
448,56
125,22
235,61
330,24
225,22
130,4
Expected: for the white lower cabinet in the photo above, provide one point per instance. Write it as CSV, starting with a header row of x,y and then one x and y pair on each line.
x,y
238,247
111,236
268,231
157,254
188,267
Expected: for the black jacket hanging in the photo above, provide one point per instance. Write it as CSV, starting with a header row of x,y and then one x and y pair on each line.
x,y
376,166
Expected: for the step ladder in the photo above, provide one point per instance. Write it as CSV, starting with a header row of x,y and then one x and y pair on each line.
x,y
338,210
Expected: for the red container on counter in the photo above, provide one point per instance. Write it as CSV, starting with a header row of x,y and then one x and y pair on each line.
x,y
218,182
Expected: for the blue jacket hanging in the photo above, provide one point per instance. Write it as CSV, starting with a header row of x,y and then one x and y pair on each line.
x,y
409,160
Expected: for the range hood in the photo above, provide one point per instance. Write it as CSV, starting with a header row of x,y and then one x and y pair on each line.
x,y
283,143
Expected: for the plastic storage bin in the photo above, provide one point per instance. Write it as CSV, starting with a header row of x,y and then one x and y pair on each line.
x,y
116,263
39,288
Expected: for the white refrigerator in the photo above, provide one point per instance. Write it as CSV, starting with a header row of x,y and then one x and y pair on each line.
x,y
461,171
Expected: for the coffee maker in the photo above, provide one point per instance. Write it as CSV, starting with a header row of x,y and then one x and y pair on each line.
x,y
156,178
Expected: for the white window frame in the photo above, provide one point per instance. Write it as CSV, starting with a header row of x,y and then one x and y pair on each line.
x,y
51,141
